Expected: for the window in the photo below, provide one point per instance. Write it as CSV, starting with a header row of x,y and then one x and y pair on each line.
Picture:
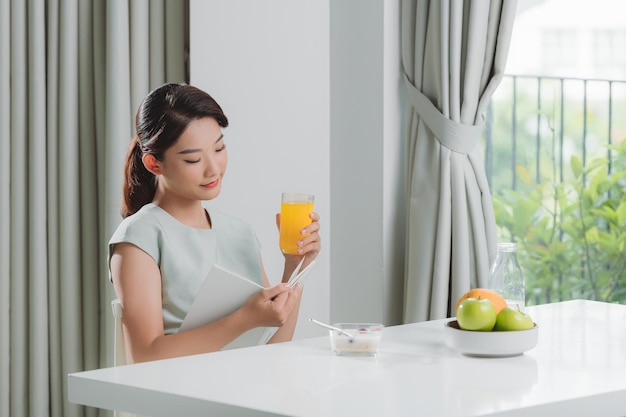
x,y
559,48
553,178
609,47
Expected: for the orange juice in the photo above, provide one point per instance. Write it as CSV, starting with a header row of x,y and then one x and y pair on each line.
x,y
294,216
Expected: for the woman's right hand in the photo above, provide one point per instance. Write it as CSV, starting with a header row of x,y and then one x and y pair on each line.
x,y
272,306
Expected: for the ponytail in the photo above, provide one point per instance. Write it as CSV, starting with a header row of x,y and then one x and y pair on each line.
x,y
139,183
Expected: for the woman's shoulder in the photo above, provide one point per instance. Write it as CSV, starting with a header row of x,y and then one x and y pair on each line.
x,y
142,229
146,219
149,213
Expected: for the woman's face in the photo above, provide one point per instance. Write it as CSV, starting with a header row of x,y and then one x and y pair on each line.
x,y
193,168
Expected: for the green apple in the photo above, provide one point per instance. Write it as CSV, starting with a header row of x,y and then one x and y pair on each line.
x,y
511,319
476,314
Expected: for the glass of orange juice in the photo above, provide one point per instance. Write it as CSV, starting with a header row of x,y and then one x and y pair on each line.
x,y
294,216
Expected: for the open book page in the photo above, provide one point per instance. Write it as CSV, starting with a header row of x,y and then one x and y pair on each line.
x,y
221,294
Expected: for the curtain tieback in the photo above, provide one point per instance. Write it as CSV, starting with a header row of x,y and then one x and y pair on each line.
x,y
456,136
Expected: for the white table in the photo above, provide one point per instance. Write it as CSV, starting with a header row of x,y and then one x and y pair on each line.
x,y
577,369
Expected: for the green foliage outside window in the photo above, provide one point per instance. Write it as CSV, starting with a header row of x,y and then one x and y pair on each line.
x,y
571,235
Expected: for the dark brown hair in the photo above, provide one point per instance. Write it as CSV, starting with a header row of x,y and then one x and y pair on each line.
x,y
161,118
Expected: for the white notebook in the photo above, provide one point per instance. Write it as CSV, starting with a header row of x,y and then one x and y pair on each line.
x,y
221,294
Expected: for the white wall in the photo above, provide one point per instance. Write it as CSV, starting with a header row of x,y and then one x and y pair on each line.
x,y
312,93
367,186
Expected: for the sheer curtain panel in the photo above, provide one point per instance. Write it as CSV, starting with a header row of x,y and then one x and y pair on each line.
x,y
72,73
453,54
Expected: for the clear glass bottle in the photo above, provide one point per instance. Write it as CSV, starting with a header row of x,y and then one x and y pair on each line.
x,y
506,276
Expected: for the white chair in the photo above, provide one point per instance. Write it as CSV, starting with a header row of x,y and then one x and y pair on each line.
x,y
119,353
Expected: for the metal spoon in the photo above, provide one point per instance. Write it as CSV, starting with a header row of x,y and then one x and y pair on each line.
x,y
328,326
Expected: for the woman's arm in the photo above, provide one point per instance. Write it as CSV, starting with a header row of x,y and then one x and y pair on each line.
x,y
137,282
309,247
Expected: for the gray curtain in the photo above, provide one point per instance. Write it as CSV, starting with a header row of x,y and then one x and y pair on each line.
x,y
453,54
72,73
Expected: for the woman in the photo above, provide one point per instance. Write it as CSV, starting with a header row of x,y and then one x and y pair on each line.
x,y
168,241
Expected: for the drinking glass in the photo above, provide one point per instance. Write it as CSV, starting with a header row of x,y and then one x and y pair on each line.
x,y
294,216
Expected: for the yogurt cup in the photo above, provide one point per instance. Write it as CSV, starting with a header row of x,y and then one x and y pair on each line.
x,y
365,340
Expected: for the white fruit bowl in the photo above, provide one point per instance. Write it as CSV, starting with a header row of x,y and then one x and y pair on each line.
x,y
489,344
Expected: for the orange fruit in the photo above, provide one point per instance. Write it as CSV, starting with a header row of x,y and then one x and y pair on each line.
x,y
496,299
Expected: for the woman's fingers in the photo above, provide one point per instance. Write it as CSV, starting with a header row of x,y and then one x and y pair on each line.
x,y
273,305
272,293
311,244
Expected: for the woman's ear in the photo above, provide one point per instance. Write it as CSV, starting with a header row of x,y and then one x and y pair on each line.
x,y
151,164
